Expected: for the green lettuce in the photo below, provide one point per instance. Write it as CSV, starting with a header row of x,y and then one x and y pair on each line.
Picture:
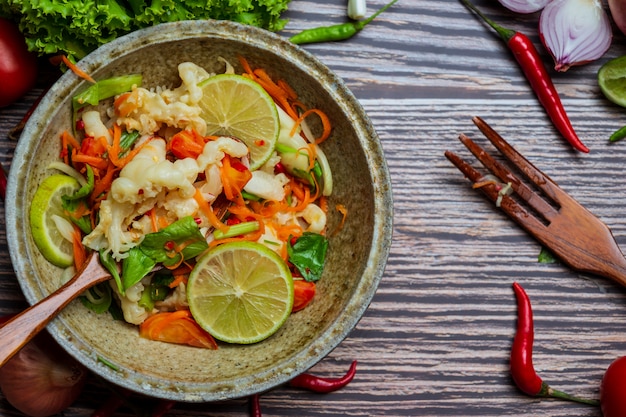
x,y
77,27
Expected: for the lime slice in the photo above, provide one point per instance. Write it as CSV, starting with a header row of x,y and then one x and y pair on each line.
x,y
612,80
47,203
240,292
233,105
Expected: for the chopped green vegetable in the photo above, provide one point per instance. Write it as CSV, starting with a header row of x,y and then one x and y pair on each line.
x,y
308,254
77,27
546,257
98,298
237,229
104,89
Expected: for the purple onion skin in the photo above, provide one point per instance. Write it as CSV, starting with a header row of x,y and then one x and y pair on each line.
x,y
524,6
575,32
618,12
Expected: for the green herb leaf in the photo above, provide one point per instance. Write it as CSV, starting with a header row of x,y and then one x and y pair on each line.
x,y
135,266
109,263
184,234
308,254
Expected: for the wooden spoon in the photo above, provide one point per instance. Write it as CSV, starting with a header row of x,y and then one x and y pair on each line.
x,y
24,326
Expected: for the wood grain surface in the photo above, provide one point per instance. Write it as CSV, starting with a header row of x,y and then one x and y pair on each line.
x,y
435,340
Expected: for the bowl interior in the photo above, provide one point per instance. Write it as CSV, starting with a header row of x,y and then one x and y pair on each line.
x,y
357,253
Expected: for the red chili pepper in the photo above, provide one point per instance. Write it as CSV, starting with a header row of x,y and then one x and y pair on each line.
x,y
255,405
323,385
522,369
537,75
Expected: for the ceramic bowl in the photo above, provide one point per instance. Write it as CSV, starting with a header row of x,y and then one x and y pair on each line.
x,y
357,254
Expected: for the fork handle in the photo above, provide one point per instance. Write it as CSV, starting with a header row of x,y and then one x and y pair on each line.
x,y
20,329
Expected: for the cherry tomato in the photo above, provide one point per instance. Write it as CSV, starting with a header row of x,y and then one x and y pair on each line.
x,y
613,389
303,293
18,66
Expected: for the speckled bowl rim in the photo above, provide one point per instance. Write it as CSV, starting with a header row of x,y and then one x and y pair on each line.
x,y
382,228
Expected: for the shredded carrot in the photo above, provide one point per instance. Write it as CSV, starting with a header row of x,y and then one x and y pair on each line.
x,y
68,140
206,208
114,150
483,183
178,279
82,74
323,203
126,103
246,66
344,212
78,249
103,185
325,124
94,161
154,220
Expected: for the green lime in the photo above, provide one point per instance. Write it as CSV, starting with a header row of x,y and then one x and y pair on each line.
x,y
612,80
47,203
233,105
240,292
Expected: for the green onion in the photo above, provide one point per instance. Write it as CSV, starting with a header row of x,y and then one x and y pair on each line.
x,y
237,229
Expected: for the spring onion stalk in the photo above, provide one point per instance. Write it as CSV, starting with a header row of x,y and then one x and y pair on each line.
x,y
357,9
237,229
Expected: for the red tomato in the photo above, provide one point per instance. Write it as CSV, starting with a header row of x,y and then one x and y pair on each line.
x,y
613,389
303,293
18,66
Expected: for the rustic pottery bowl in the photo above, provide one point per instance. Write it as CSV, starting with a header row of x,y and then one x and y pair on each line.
x,y
357,254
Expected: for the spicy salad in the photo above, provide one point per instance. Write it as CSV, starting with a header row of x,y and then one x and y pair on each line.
x,y
157,180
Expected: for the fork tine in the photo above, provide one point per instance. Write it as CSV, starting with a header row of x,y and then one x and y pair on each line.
x,y
506,176
541,180
511,207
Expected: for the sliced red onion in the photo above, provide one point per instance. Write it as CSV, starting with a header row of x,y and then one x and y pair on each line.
x,y
618,11
575,31
524,6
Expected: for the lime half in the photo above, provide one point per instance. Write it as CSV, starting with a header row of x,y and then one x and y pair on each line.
x,y
233,105
612,80
240,292
47,203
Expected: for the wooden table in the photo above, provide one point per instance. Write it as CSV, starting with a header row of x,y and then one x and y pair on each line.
x,y
436,338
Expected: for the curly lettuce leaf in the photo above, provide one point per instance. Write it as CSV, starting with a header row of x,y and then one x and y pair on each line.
x,y
77,27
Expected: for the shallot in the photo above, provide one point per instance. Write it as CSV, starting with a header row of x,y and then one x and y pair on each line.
x,y
524,6
575,32
41,379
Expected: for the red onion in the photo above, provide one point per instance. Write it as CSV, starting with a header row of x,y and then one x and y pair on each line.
x,y
41,379
524,6
575,31
618,11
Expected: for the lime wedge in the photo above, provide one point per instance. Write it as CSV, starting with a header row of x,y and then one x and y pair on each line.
x,y
47,203
612,80
240,292
233,105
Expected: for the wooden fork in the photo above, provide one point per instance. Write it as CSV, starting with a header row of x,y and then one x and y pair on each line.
x,y
570,231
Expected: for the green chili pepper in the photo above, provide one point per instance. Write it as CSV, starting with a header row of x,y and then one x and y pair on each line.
x,y
335,32
619,134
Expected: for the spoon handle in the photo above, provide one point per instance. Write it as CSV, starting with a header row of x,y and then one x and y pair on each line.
x,y
24,326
